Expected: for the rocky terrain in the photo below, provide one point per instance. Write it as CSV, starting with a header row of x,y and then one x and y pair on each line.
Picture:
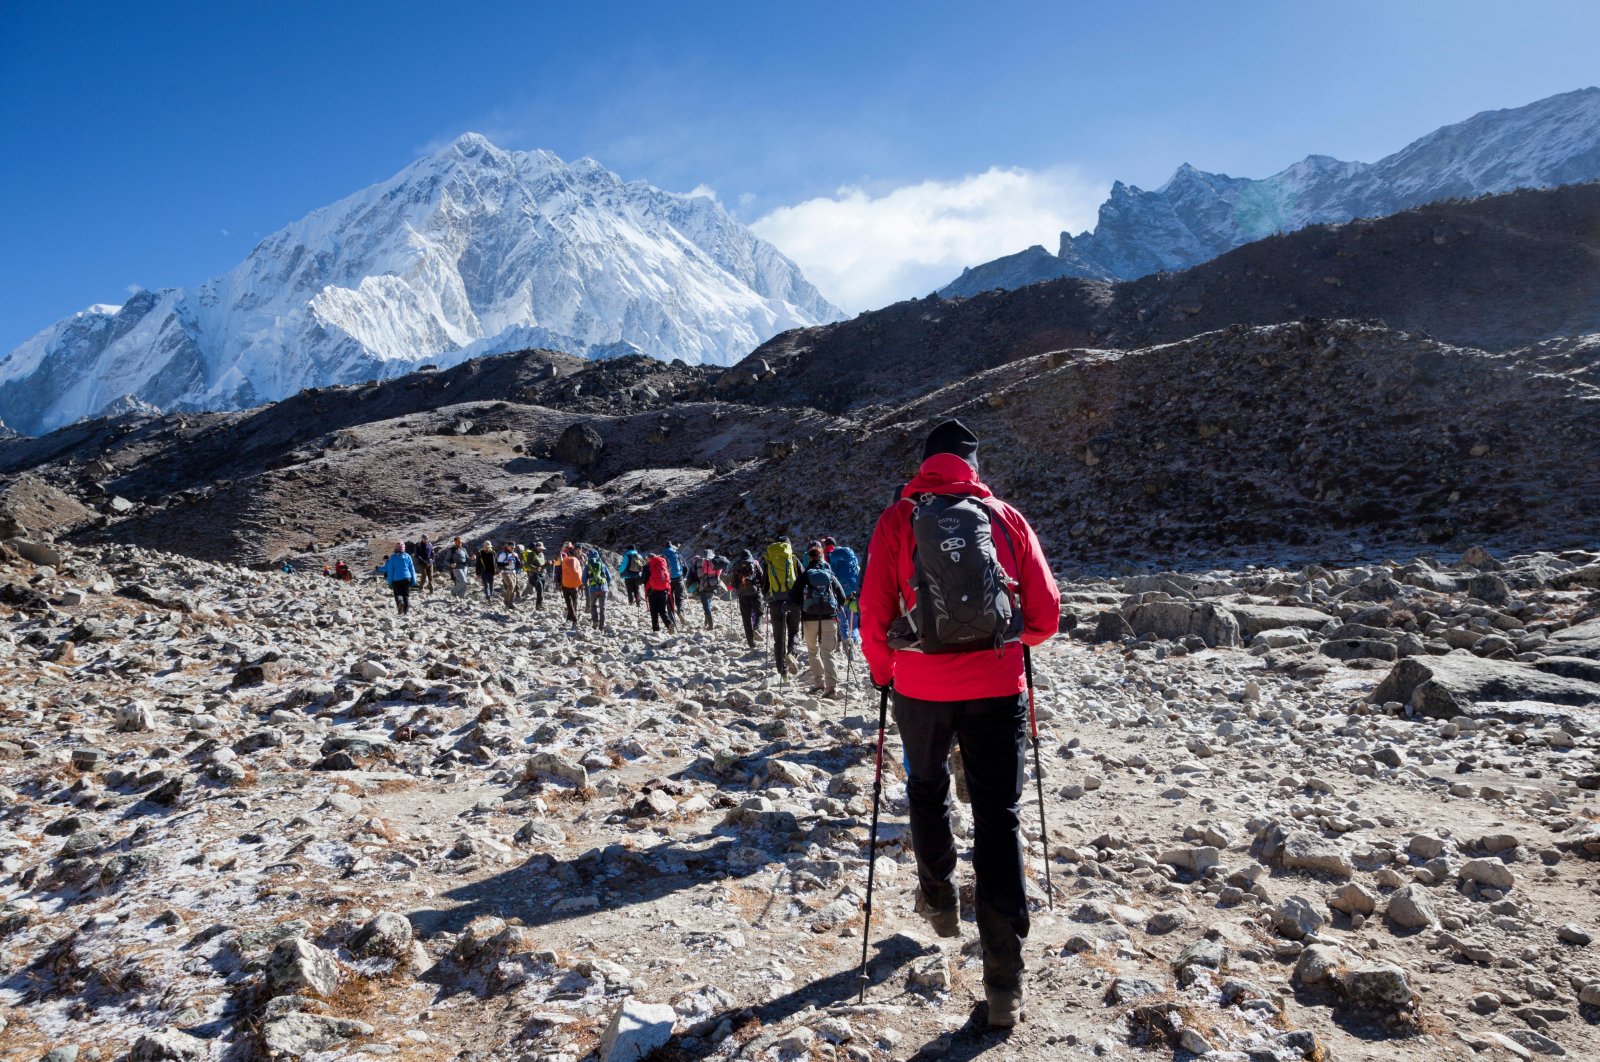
x,y
1496,273
1316,813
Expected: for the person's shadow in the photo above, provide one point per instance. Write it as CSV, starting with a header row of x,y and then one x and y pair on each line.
x,y
844,987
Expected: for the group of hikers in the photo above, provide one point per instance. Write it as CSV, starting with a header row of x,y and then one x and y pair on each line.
x,y
811,597
954,592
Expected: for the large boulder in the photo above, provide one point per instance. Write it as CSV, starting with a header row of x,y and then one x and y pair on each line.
x,y
1253,619
1441,687
579,446
1176,620
1580,640
1304,850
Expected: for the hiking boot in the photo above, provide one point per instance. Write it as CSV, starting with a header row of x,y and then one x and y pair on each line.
x,y
946,922
1006,1006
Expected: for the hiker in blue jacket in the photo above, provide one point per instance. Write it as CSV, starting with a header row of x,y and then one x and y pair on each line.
x,y
675,570
631,568
847,569
401,574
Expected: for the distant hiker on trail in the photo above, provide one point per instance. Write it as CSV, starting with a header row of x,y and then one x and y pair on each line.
x,y
675,569
780,573
658,588
341,572
596,584
957,673
847,569
631,568
484,563
571,580
401,574
508,565
746,580
458,567
707,577
533,563
424,562
819,598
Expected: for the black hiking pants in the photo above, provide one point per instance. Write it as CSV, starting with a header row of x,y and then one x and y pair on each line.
x,y
785,616
632,583
660,609
750,616
569,594
536,584
401,588
487,579
993,734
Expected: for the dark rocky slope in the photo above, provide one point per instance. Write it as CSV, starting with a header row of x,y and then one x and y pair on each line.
x,y
1493,273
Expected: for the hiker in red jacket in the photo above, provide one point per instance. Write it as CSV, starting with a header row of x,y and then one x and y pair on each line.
x,y
658,588
957,674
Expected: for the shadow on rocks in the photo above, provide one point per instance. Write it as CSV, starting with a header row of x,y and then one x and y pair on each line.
x,y
975,1037
843,987
543,890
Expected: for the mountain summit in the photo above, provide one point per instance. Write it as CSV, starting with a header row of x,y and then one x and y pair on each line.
x,y
1197,215
471,250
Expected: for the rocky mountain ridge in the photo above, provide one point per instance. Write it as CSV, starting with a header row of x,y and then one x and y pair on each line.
x,y
1197,215
1494,273
469,251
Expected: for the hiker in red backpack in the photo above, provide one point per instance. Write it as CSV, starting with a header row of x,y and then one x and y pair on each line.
x,y
954,586
658,588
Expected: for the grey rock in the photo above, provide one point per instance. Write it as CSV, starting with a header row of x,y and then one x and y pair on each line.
x,y
1536,1042
1255,619
297,965
1380,984
1490,872
385,934
1176,620
635,1030
1410,908
1443,687
1353,898
1296,917
1125,990
548,766
1573,933
168,1045
1303,850
300,1033
1360,649
1318,965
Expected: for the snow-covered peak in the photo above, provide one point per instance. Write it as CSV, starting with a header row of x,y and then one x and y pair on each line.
x,y
1198,215
470,250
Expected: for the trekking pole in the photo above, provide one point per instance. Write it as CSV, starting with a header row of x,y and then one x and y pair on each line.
x,y
872,845
1038,776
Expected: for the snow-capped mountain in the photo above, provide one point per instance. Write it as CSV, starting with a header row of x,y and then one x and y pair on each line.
x,y
470,251
1196,215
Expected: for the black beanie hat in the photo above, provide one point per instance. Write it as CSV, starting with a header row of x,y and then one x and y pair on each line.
x,y
952,437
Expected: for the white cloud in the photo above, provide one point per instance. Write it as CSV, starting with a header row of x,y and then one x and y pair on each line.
x,y
133,289
224,232
704,191
864,251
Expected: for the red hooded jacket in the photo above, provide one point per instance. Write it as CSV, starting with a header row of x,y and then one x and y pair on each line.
x,y
888,575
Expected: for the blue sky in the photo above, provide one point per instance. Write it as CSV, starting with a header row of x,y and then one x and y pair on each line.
x,y
155,144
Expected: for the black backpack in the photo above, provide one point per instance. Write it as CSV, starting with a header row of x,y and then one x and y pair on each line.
x,y
816,598
964,597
